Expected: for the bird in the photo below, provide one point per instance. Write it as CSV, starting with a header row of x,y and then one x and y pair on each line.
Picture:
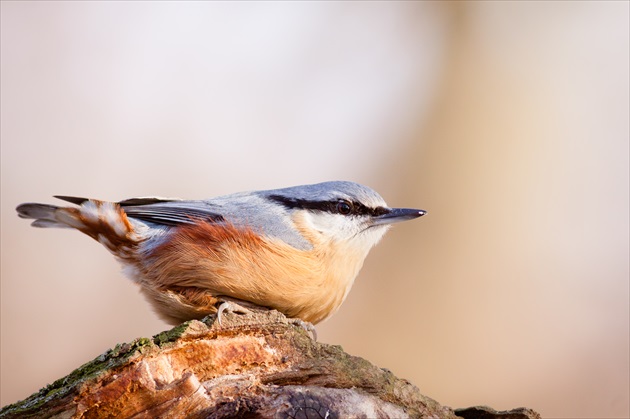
x,y
297,249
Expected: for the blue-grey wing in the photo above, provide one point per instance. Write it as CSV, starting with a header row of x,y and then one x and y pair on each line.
x,y
170,212
242,210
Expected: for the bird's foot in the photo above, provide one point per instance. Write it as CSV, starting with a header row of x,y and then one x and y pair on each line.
x,y
304,325
230,307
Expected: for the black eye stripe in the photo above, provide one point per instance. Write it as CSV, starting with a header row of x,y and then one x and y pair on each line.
x,y
333,207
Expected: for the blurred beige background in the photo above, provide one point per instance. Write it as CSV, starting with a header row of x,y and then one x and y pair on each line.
x,y
507,121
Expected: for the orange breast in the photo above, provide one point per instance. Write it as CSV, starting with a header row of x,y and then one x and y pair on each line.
x,y
223,260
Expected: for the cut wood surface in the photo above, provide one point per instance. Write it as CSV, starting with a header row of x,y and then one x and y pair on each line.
x,y
256,365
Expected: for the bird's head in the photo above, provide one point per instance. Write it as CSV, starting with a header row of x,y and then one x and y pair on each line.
x,y
341,211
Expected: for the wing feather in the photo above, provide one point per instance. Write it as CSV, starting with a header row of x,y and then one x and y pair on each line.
x,y
72,199
172,214
164,211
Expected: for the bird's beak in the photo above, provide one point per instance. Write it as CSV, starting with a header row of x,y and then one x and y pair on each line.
x,y
396,215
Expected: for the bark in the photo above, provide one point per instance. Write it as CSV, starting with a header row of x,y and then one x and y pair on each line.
x,y
257,365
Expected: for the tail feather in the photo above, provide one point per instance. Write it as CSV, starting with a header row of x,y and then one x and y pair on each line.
x,y
43,214
106,222
48,224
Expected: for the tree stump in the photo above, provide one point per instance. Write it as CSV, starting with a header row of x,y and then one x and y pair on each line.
x,y
256,365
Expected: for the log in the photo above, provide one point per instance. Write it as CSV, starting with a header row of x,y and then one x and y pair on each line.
x,y
256,365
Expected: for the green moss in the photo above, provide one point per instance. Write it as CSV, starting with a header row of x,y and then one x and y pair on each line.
x,y
111,359
65,386
170,335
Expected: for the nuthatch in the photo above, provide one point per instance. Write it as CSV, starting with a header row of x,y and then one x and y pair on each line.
x,y
297,250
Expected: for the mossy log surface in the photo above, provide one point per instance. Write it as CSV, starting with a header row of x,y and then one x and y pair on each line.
x,y
257,365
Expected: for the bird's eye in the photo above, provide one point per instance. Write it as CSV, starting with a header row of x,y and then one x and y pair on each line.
x,y
344,207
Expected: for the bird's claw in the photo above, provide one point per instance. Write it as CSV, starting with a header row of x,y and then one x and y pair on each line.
x,y
230,307
305,325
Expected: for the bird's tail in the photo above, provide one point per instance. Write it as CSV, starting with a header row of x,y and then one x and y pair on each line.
x,y
101,220
106,222
48,215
